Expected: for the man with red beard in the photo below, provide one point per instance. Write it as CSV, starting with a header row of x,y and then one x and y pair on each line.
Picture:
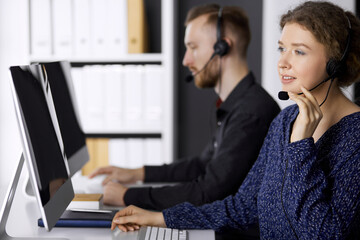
x,y
216,41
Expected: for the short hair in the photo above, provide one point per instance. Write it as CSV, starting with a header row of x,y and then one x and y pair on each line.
x,y
328,23
234,20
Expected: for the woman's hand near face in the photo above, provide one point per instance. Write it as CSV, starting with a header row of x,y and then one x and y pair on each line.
x,y
131,218
309,116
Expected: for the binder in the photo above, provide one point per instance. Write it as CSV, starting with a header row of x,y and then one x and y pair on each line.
x,y
133,96
117,153
91,164
117,27
137,27
135,154
78,79
153,152
40,26
98,32
62,27
83,219
94,98
82,23
114,108
153,96
99,154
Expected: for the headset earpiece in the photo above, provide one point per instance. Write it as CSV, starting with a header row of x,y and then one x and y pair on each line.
x,y
335,68
221,47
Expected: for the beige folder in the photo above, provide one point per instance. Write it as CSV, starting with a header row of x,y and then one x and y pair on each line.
x,y
137,27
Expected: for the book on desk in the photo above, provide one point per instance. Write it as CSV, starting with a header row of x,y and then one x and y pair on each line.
x,y
86,200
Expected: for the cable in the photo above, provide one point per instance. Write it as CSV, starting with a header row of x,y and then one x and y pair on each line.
x,y
327,93
282,202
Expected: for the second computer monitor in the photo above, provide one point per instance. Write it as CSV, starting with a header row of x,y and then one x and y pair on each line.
x,y
60,80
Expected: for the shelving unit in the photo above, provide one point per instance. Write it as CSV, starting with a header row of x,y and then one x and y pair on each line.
x,y
127,58
166,59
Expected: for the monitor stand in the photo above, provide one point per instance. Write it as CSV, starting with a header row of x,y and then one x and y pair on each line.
x,y
8,200
28,188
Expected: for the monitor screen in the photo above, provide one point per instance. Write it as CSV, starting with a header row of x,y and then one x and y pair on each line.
x,y
59,76
41,140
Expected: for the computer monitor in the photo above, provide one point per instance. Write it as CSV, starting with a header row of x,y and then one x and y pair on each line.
x,y
62,89
42,143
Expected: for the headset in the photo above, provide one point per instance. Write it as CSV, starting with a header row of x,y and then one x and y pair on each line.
x,y
334,68
221,47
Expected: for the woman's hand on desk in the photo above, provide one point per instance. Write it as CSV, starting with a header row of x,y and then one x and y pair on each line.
x,y
122,175
131,218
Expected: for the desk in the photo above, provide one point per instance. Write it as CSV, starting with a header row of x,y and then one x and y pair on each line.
x,y
24,213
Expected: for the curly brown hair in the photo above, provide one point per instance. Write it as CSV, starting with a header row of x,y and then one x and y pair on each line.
x,y
234,20
328,23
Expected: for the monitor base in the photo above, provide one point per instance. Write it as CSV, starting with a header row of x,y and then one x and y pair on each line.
x,y
5,210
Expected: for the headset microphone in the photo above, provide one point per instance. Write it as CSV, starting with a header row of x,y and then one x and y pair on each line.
x,y
190,77
282,95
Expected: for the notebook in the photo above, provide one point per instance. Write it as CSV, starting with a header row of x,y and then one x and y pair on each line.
x,y
83,219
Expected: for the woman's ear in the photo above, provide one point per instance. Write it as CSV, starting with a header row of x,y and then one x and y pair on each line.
x,y
229,42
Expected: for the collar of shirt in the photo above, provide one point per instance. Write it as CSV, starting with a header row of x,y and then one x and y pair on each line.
x,y
234,97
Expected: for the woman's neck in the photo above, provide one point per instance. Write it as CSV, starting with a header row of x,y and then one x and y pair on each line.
x,y
336,107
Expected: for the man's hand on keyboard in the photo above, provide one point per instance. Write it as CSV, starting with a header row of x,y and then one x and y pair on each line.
x,y
117,174
131,218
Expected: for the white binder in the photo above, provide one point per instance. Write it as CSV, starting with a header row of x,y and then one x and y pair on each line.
x,y
153,151
78,79
117,152
40,27
133,92
62,27
99,14
117,28
82,23
94,99
135,154
153,95
114,103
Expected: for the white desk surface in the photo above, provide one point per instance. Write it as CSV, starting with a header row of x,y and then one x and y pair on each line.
x,y
24,213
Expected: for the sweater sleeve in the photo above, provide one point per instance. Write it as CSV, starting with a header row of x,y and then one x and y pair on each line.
x,y
321,201
235,211
223,174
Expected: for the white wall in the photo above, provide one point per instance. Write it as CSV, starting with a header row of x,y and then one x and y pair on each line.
x,y
13,51
272,11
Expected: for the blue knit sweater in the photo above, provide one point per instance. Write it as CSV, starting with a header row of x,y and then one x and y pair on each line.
x,y
303,188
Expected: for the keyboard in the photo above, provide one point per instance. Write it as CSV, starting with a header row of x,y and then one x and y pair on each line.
x,y
158,233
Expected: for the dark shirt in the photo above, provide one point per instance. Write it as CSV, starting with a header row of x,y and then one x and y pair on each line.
x,y
242,123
